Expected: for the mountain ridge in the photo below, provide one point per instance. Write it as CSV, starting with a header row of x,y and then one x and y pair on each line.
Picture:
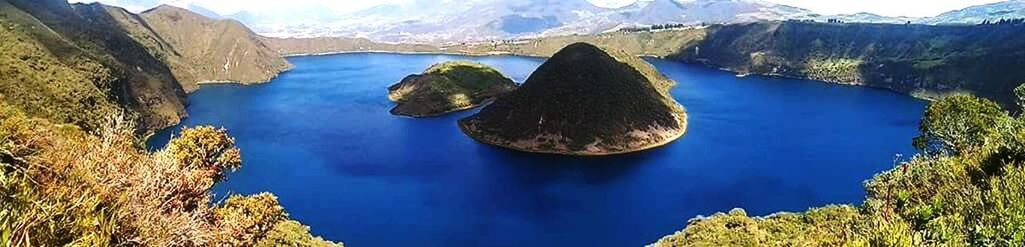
x,y
473,21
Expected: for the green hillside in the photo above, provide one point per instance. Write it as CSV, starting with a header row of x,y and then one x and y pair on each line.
x,y
966,189
919,59
59,66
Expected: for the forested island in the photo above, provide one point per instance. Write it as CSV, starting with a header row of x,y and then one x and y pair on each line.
x,y
584,100
448,87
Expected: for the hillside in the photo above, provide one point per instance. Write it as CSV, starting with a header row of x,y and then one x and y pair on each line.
x,y
448,87
209,50
70,64
964,189
917,59
583,101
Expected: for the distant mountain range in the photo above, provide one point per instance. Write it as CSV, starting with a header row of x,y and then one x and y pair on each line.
x,y
433,21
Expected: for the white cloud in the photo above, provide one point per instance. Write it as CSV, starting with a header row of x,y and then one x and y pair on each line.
x,y
917,8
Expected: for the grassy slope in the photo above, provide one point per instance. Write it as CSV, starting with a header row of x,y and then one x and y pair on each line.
x,y
448,87
50,77
983,60
137,80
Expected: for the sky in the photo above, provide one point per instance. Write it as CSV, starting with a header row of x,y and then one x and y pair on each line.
x,y
914,8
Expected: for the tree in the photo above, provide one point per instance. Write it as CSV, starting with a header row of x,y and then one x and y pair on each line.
x,y
958,124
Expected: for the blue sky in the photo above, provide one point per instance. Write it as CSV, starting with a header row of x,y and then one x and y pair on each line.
x,y
918,8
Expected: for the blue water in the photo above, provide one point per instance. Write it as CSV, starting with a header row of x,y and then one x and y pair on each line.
x,y
321,139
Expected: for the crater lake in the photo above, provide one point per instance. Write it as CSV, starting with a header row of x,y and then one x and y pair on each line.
x,y
320,138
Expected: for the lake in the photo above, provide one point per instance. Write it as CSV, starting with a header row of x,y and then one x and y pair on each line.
x,y
320,137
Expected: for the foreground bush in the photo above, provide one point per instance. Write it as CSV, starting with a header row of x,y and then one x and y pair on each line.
x,y
967,188
62,186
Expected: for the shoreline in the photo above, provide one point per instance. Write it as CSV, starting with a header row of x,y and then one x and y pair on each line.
x,y
917,93
683,120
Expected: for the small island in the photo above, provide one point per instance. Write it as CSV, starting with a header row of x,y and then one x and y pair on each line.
x,y
448,87
584,101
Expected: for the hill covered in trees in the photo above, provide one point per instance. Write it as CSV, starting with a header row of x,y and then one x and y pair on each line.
x,y
448,87
584,100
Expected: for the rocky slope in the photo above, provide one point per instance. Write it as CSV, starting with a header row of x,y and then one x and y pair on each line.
x,y
583,101
448,87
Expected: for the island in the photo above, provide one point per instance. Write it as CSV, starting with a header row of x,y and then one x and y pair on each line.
x,y
448,87
584,101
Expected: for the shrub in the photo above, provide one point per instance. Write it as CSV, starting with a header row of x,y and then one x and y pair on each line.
x,y
65,187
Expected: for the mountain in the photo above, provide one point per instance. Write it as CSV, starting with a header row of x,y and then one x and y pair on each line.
x,y
450,21
865,17
209,50
448,87
109,58
583,101
456,21
1012,9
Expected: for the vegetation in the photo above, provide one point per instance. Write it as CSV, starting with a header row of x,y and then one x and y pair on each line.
x,y
81,47
584,101
63,186
77,90
68,89
965,189
448,87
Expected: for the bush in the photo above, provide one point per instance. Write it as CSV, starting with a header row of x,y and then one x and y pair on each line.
x,y
65,187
